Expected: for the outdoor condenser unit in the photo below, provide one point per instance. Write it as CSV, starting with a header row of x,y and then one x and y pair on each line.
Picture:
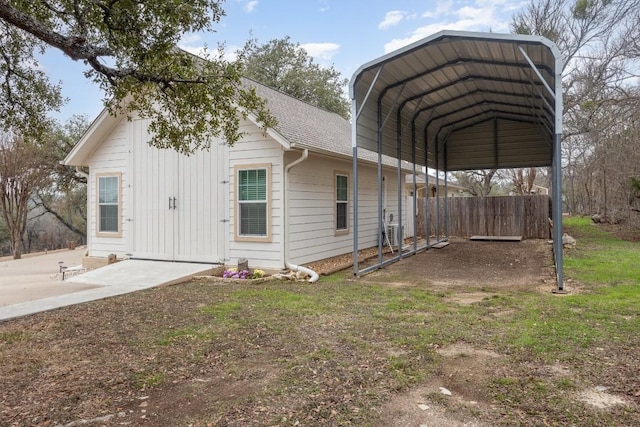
x,y
395,234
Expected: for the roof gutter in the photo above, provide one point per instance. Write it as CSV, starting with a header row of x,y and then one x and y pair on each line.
x,y
313,275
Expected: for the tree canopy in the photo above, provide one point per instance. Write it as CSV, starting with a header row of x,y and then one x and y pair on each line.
x,y
287,67
65,195
600,40
130,51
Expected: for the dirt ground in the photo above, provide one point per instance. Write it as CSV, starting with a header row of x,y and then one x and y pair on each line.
x,y
84,369
476,265
472,269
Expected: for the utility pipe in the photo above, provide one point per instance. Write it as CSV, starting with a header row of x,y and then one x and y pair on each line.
x,y
313,275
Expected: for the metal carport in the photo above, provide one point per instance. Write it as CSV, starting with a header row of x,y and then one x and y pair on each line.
x,y
461,101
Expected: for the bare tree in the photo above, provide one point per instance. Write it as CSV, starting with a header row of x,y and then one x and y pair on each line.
x,y
523,179
600,40
21,176
478,183
65,196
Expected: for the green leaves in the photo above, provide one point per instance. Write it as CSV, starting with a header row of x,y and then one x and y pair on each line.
x,y
26,95
287,67
130,49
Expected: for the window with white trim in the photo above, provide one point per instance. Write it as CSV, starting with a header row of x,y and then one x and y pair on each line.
x,y
109,204
342,202
252,191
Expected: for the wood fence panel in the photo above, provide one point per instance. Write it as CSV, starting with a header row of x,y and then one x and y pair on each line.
x,y
525,216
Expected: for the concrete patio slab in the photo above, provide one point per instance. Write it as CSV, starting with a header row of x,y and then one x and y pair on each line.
x,y
115,279
32,277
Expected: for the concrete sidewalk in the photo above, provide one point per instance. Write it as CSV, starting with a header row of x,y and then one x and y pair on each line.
x,y
115,279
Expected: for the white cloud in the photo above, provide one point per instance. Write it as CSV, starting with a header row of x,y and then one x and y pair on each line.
x,y
324,51
391,18
469,12
251,6
193,44
479,15
442,8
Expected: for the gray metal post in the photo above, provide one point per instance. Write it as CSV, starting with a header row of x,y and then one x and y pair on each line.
x,y
427,207
414,200
400,183
437,154
355,210
557,210
354,145
380,212
446,205
446,195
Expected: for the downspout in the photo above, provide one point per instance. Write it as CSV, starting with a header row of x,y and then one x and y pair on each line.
x,y
82,173
313,275
85,175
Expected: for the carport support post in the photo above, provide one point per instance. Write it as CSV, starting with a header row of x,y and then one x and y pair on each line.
x,y
355,206
400,236
427,190
414,199
354,145
557,170
446,202
557,209
446,194
437,189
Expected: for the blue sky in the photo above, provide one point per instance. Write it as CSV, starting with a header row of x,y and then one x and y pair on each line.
x,y
342,33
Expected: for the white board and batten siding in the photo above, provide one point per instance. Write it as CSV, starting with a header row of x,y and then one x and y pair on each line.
x,y
171,203
312,233
253,150
200,224
111,157
178,200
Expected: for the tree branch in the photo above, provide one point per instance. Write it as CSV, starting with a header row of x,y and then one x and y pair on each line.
x,y
75,47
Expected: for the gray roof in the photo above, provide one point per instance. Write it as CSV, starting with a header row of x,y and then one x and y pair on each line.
x,y
464,100
303,124
306,126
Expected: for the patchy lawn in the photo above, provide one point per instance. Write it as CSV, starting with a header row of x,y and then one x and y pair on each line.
x,y
475,319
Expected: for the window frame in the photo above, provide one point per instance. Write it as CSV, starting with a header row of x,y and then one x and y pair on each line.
x,y
346,230
100,233
237,203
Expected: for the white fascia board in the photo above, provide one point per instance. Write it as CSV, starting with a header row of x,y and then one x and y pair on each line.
x,y
89,141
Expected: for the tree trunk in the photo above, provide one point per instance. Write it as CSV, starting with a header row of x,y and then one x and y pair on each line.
x,y
16,243
64,222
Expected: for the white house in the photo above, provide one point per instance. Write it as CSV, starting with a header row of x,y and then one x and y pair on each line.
x,y
284,196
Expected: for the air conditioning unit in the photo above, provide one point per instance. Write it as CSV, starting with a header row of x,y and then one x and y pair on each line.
x,y
395,234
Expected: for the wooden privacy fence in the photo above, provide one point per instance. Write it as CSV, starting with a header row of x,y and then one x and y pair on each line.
x,y
526,216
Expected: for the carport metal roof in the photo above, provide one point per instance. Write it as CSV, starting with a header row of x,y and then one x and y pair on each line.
x,y
480,100
462,101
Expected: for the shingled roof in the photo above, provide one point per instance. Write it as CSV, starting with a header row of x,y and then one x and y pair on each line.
x,y
306,126
303,124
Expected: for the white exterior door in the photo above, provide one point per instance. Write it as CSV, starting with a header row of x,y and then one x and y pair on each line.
x,y
200,211
177,198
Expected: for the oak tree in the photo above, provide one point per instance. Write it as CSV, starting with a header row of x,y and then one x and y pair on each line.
x,y
287,67
129,48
